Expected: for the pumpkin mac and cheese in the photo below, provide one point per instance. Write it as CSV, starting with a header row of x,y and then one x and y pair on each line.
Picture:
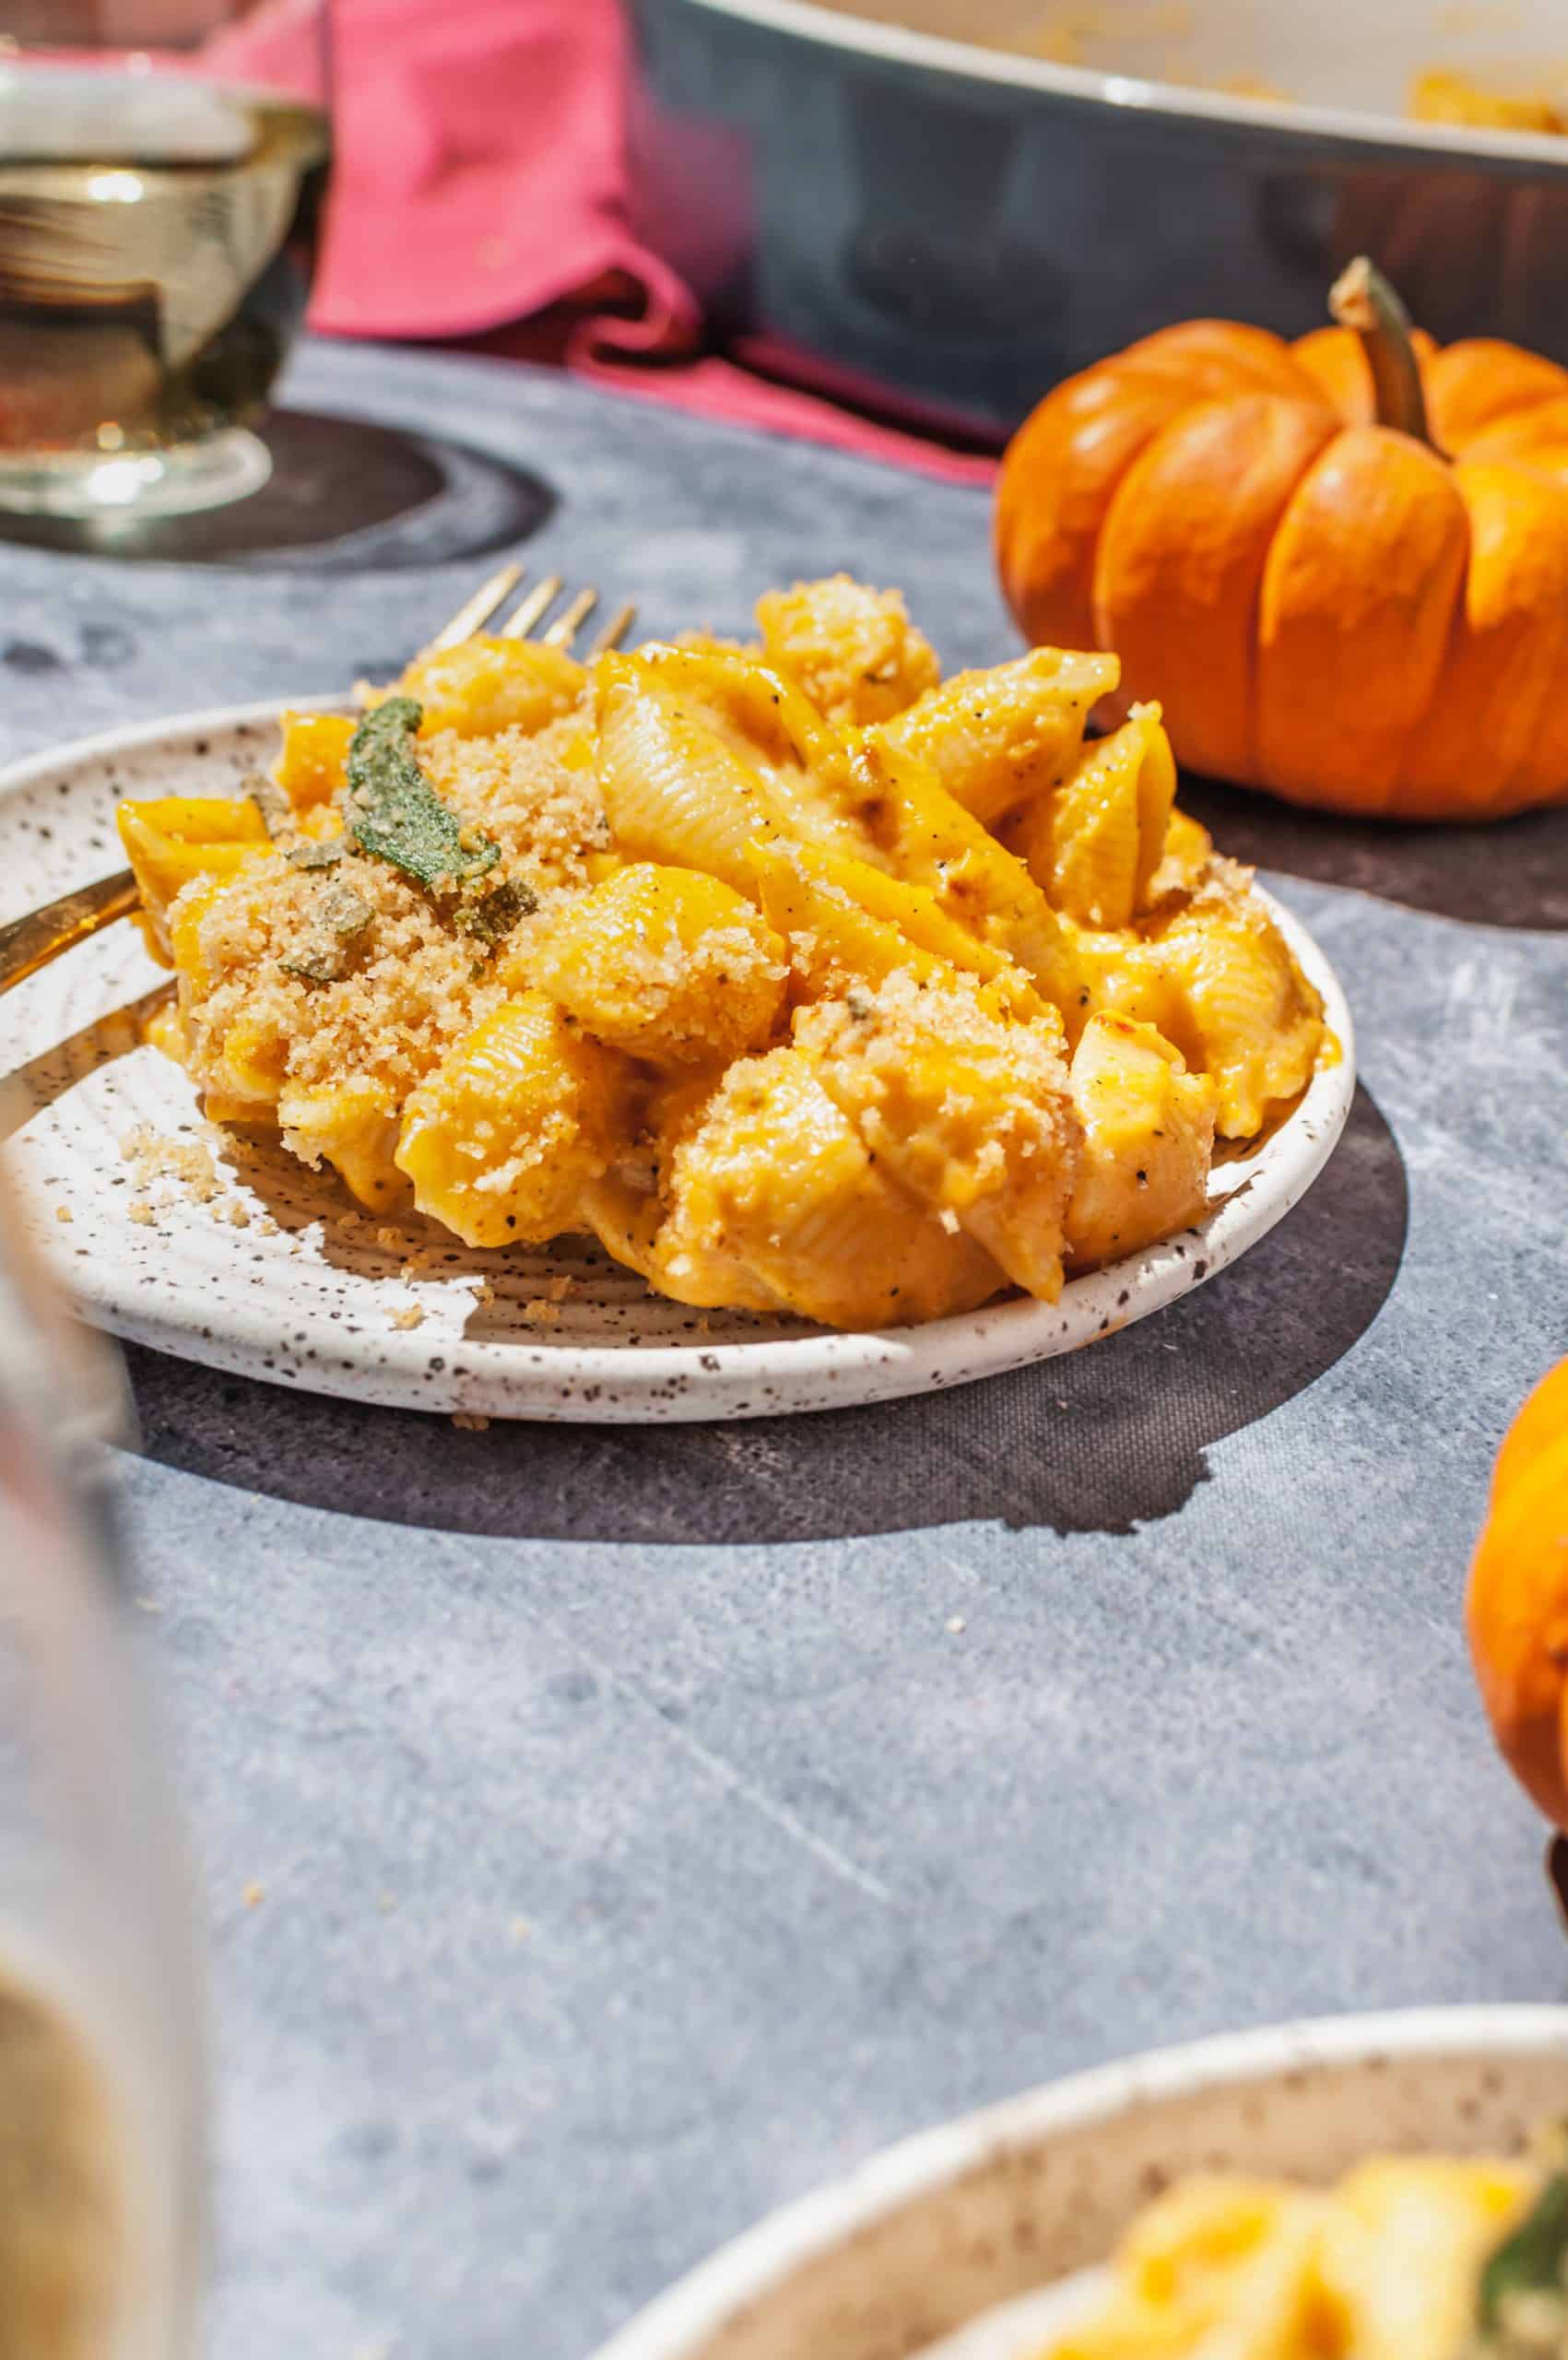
x,y
804,979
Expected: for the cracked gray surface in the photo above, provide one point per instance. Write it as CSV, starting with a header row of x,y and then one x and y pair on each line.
x,y
639,1844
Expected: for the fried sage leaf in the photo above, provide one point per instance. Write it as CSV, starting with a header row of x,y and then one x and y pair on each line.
x,y
1523,2299
339,915
276,811
324,853
490,917
316,959
396,813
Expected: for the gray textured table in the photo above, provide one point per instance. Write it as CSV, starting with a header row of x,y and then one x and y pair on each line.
x,y
640,1840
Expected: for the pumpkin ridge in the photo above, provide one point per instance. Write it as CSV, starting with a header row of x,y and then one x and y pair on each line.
x,y
1181,554
1052,548
1367,640
1497,698
1478,382
1509,417
1516,441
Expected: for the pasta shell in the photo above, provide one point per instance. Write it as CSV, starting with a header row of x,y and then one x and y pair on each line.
x,y
352,1125
1255,1022
1095,843
846,920
487,684
501,1140
314,763
853,649
1148,1128
1404,2241
1006,737
674,791
774,1190
970,1113
910,825
178,838
776,731
666,964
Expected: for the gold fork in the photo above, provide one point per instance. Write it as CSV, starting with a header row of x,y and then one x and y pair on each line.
x,y
31,942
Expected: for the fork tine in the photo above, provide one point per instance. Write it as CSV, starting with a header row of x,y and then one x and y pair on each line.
x,y
476,610
564,628
528,610
614,631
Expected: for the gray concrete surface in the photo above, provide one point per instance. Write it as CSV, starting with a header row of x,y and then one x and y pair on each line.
x,y
639,1841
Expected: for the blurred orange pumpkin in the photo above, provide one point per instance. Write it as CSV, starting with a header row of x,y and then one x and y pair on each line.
x,y
1281,549
1518,1605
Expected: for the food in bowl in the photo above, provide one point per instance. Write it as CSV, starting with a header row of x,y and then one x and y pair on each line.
x,y
1173,43
802,978
1405,2257
1442,95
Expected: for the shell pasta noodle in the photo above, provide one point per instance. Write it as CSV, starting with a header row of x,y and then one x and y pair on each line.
x,y
1405,2257
806,980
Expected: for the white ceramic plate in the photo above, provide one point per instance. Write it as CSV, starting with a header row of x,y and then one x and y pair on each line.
x,y
976,2241
277,1277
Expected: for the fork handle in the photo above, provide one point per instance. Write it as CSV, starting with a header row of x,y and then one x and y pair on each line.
x,y
31,942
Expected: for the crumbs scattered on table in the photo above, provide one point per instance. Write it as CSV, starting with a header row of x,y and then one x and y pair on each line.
x,y
411,1315
63,1212
141,1212
470,1422
955,1623
253,1893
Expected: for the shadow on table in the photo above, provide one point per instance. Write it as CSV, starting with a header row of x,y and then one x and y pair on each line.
x,y
1513,873
1101,1441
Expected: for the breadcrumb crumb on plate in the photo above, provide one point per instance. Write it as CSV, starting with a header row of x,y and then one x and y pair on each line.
x,y
304,1294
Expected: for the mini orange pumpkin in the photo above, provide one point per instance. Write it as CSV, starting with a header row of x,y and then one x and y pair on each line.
x,y
1518,1605
1278,548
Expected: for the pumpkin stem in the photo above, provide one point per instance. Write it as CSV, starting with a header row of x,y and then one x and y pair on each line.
x,y
1363,300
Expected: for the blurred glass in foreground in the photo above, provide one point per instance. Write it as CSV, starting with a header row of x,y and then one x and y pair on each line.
x,y
162,170
100,2086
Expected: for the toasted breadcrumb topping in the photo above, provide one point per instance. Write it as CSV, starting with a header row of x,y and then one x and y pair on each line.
x,y
411,981
854,650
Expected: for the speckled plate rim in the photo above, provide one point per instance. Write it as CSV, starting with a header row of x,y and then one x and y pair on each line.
x,y
684,2322
820,1369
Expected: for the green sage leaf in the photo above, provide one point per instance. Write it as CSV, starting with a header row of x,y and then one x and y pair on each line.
x,y
1530,2263
395,813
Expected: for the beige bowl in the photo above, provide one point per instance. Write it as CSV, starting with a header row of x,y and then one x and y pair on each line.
x,y
958,2241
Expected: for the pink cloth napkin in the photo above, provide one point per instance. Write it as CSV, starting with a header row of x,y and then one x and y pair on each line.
x,y
481,179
